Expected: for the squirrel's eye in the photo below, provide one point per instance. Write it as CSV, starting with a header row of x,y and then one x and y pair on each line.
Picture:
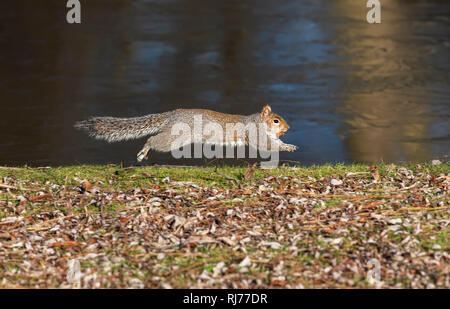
x,y
275,121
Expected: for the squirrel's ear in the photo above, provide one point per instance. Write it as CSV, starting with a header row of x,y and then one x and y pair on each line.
x,y
266,112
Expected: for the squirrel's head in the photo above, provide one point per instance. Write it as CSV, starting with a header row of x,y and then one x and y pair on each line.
x,y
276,125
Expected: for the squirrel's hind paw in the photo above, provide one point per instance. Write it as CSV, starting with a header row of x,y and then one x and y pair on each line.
x,y
142,155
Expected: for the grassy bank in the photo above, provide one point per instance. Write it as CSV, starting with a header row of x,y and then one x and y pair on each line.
x,y
288,227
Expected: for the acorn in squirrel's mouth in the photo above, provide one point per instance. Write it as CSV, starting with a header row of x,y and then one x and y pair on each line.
x,y
281,134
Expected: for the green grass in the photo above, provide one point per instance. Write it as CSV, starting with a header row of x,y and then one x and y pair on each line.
x,y
127,178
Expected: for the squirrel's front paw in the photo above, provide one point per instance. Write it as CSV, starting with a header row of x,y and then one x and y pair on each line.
x,y
290,148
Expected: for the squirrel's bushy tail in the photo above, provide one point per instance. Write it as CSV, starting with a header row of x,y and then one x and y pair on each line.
x,y
119,129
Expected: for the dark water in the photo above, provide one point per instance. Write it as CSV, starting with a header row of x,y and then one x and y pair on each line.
x,y
351,91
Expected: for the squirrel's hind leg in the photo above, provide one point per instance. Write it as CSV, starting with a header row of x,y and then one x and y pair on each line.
x,y
144,151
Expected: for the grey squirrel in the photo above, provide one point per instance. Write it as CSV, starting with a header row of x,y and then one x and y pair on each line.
x,y
159,126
